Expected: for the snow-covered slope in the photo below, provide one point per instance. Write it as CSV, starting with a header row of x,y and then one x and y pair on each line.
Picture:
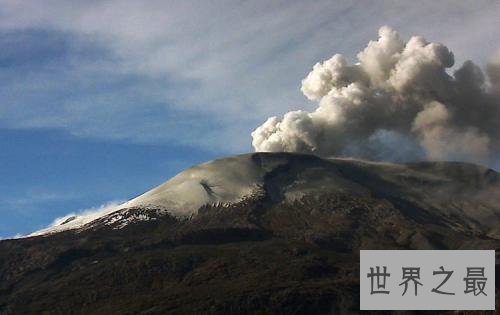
x,y
461,189
219,181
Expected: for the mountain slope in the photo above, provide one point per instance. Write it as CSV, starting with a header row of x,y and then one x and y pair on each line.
x,y
274,233
450,189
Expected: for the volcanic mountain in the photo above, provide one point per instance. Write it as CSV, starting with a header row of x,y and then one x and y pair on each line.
x,y
265,233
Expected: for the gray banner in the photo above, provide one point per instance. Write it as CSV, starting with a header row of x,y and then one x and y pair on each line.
x,y
427,279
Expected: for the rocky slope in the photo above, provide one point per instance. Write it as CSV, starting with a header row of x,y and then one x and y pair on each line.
x,y
258,233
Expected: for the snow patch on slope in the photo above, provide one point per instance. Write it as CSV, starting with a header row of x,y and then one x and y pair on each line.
x,y
123,217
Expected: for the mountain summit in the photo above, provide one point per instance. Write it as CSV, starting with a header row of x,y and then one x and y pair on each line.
x,y
268,232
446,189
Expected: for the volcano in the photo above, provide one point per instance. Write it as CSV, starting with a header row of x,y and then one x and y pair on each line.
x,y
267,233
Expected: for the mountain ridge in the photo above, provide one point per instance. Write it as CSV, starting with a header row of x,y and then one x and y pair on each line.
x,y
290,246
231,179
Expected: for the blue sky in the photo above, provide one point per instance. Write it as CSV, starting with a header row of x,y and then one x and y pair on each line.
x,y
102,100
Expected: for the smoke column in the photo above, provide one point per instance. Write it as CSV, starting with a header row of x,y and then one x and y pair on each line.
x,y
397,103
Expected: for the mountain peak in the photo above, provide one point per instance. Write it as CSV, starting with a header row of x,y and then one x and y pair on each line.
x,y
291,176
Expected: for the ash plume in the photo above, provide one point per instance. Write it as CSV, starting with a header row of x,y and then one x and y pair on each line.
x,y
397,103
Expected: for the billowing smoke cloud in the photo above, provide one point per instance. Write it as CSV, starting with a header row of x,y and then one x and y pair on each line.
x,y
398,102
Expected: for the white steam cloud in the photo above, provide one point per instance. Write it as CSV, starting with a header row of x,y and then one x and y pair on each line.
x,y
397,102
76,220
